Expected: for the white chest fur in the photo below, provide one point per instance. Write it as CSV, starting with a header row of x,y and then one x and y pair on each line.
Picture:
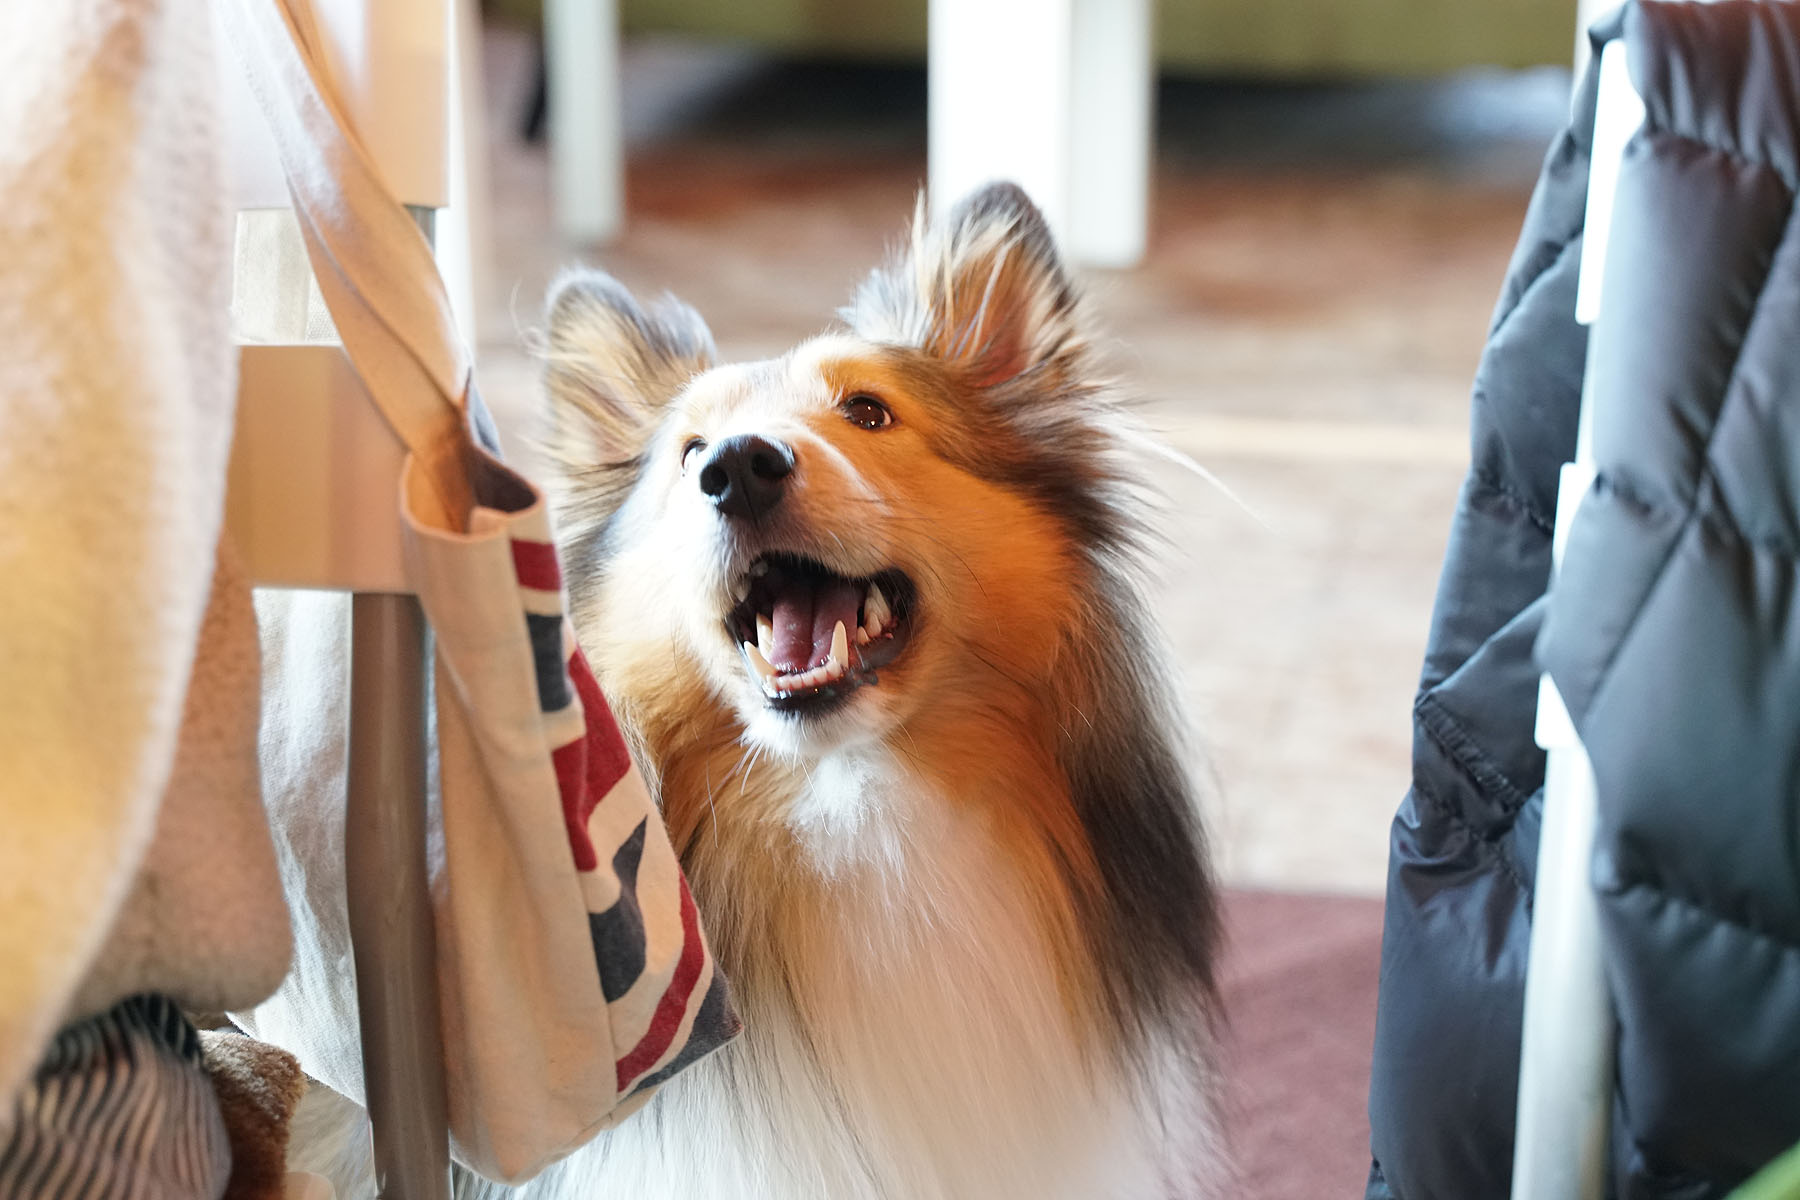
x,y
915,1047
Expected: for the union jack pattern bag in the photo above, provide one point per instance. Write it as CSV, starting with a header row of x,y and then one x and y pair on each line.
x,y
573,973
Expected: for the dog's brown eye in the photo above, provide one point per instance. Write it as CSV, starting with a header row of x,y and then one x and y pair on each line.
x,y
690,452
867,412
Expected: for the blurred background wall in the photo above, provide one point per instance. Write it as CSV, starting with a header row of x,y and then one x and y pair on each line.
x,y
1292,39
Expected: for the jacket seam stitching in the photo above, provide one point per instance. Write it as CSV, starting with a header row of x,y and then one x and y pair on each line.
x,y
1448,733
1500,486
1490,840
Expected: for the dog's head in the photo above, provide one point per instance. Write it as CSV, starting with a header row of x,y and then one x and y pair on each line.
x,y
916,531
834,541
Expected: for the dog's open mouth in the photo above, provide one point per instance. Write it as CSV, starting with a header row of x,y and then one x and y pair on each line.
x,y
810,637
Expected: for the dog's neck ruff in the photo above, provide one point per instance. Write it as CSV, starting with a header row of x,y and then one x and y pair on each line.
x,y
911,1046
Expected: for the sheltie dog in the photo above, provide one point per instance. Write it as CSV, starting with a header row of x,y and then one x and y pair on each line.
x,y
871,615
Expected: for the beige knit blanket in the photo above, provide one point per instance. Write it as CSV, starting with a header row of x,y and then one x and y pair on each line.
x,y
132,855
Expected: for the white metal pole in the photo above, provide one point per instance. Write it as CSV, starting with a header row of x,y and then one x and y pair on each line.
x,y
1566,1055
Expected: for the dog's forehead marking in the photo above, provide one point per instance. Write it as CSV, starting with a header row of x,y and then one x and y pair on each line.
x,y
799,384
823,356
718,386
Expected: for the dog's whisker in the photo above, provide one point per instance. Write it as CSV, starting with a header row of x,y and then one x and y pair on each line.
x,y
712,802
997,669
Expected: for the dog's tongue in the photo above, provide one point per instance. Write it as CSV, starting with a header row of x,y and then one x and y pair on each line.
x,y
805,613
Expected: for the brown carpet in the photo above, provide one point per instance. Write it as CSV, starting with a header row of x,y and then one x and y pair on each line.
x,y
1300,978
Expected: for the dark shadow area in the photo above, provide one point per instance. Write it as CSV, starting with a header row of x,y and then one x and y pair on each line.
x,y
1485,123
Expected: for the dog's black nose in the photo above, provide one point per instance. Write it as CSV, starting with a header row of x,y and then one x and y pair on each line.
x,y
746,476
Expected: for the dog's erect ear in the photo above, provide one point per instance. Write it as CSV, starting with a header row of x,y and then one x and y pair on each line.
x,y
612,366
983,290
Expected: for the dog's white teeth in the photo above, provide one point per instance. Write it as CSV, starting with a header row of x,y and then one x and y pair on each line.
x,y
839,662
740,590
800,682
758,570
765,635
877,616
776,684
862,636
765,671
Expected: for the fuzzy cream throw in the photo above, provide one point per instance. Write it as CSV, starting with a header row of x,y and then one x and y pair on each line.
x,y
117,379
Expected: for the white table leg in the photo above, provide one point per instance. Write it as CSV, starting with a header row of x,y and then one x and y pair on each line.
x,y
587,153
1000,93
1112,126
1054,95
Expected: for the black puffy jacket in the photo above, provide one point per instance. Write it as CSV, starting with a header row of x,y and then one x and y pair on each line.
x,y
1673,634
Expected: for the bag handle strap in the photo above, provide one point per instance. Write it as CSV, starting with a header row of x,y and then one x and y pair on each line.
x,y
374,268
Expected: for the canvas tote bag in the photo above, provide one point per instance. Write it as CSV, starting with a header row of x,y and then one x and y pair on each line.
x,y
573,973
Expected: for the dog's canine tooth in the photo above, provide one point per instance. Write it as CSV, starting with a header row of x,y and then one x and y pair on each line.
x,y
765,635
740,590
876,611
839,662
765,671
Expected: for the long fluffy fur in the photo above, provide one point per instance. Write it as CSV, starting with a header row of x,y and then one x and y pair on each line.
x,y
971,928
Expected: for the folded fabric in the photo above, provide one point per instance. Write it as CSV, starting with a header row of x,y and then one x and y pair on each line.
x,y
572,971
117,386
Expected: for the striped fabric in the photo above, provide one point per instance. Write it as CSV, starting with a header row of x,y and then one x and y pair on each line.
x,y
667,1003
120,1108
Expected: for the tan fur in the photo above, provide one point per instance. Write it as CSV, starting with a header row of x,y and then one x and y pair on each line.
x,y
865,875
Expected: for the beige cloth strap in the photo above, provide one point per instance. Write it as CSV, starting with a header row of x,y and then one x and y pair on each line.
x,y
374,268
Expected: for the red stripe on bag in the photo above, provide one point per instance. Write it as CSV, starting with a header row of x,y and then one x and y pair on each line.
x,y
535,565
672,1008
608,759
571,781
588,768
